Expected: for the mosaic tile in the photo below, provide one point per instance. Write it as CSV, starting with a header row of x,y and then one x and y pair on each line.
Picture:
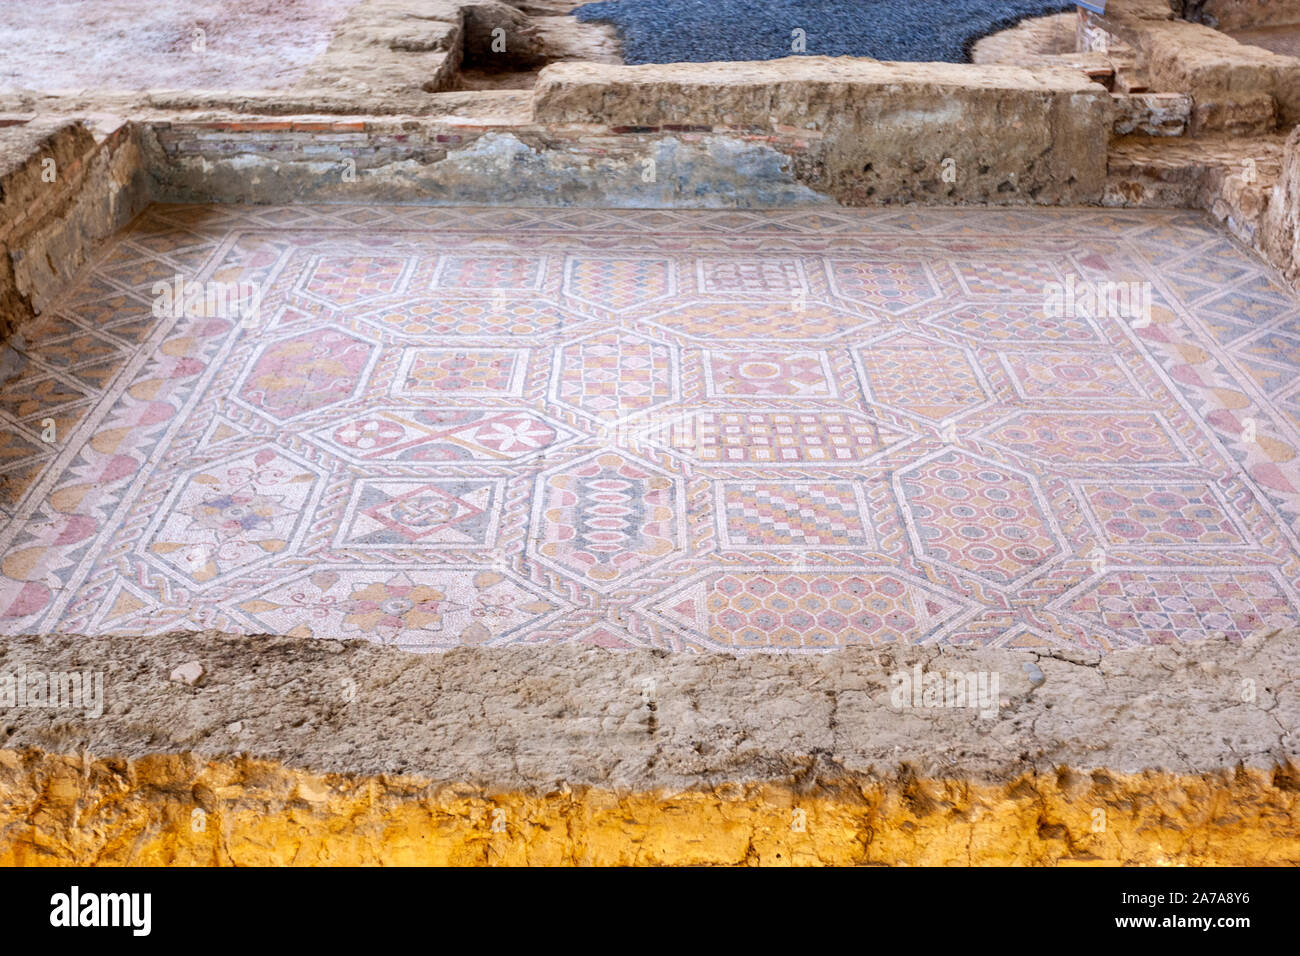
x,y
1163,514
348,280
776,438
618,284
422,317
1090,438
803,608
414,608
607,518
439,513
35,393
306,372
768,276
1186,606
1255,309
921,377
781,432
231,516
1060,374
488,274
999,279
608,376
1273,347
789,319
1014,325
792,374
793,515
977,516
893,285
441,435
495,372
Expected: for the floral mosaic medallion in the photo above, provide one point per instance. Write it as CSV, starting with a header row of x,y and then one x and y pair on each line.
x,y
780,432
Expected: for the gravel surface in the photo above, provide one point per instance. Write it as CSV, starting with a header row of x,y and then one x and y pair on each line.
x,y
674,31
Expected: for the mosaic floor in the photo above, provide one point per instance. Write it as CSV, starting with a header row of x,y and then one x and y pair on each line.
x,y
688,430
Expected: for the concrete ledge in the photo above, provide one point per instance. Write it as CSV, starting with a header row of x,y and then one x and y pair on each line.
x,y
316,751
813,92
884,128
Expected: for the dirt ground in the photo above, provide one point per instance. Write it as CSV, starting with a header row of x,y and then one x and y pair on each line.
x,y
128,45
1279,38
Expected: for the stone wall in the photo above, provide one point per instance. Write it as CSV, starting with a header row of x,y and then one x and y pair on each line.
x,y
878,132
64,187
1250,185
804,130
798,131
1152,114
427,161
1232,179
1241,14
1236,88
1280,235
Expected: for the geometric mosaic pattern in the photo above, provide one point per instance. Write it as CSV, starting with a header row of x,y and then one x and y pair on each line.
x,y
398,513
803,608
976,516
789,374
494,372
1186,605
793,516
1092,439
441,434
609,376
920,377
1160,514
887,283
305,372
782,431
779,438
607,518
347,280
1044,374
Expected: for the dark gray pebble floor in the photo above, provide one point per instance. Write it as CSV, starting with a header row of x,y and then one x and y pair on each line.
x,y
674,31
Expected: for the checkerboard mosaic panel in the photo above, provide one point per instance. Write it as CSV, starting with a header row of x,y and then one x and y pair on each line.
x,y
783,431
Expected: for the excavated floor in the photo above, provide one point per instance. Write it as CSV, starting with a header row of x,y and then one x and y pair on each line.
x,y
779,431
113,45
